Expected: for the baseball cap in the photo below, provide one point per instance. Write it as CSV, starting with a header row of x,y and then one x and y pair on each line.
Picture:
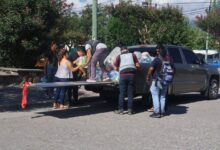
x,y
87,46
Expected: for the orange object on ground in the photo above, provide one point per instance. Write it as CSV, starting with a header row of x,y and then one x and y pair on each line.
x,y
25,94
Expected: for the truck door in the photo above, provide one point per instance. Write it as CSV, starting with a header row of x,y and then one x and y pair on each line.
x,y
197,72
182,81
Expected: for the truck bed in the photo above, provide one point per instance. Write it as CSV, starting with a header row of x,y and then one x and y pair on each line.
x,y
69,84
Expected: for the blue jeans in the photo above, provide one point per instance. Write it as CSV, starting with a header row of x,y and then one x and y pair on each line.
x,y
50,76
126,84
159,97
50,72
60,91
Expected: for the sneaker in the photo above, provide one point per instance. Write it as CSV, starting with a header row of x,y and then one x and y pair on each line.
x,y
163,114
106,79
120,111
155,115
130,112
90,80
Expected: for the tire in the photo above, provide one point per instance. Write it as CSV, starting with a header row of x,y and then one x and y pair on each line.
x,y
212,91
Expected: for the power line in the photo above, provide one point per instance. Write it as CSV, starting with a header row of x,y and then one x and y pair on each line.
x,y
185,3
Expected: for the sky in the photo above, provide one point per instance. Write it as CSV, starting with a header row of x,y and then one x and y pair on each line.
x,y
190,8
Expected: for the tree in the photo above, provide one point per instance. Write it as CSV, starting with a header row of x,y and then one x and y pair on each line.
x,y
26,29
72,35
211,23
133,24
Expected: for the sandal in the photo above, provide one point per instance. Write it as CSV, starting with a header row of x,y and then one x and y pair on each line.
x,y
55,105
64,106
151,109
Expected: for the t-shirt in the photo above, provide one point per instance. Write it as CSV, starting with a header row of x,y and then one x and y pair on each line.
x,y
73,54
157,64
93,44
52,58
81,60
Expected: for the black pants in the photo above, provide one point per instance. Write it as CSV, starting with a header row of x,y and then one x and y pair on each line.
x,y
73,91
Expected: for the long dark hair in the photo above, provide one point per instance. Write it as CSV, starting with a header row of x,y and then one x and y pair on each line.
x,y
61,54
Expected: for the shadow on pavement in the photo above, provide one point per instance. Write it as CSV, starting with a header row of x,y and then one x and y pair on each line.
x,y
175,103
10,99
85,106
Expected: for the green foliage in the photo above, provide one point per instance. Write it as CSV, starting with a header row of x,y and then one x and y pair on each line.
x,y
133,24
211,23
120,33
27,25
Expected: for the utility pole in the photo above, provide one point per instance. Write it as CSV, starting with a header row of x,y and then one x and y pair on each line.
x,y
207,35
94,19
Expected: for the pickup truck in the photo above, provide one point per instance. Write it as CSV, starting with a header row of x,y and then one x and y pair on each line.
x,y
192,75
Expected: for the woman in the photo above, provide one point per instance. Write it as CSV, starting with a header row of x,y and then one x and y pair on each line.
x,y
63,74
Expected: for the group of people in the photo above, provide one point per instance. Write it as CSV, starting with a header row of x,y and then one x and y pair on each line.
x,y
64,66
159,75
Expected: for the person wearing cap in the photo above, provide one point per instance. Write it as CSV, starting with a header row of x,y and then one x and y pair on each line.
x,y
127,64
96,53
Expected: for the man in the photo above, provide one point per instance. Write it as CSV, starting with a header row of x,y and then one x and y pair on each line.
x,y
96,52
127,64
159,85
73,91
51,66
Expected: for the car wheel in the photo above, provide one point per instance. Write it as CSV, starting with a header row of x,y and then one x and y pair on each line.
x,y
212,91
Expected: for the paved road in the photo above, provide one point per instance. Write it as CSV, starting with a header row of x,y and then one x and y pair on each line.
x,y
193,123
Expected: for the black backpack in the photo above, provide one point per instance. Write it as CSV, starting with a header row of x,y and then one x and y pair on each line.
x,y
166,74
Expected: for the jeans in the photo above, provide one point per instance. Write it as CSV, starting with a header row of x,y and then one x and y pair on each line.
x,y
159,97
98,56
126,84
50,76
50,72
60,91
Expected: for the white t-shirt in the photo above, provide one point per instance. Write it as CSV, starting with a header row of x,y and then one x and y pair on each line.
x,y
101,46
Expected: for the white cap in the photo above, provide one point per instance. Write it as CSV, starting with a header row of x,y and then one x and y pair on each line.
x,y
88,46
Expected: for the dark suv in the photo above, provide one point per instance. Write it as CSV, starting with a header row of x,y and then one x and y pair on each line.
x,y
192,75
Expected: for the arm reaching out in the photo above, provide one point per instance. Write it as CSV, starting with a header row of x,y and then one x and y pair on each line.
x,y
69,65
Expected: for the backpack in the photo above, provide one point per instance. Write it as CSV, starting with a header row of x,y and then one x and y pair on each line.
x,y
166,74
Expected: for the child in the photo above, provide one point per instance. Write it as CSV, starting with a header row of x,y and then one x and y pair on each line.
x,y
81,61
